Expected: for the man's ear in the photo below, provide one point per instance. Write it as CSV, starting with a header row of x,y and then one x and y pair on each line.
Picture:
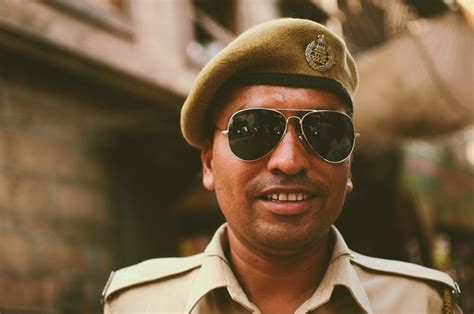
x,y
206,161
349,185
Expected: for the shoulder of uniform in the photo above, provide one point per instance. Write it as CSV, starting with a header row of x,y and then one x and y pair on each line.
x,y
147,271
403,269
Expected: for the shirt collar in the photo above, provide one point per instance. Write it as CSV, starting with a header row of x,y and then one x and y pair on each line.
x,y
339,272
216,273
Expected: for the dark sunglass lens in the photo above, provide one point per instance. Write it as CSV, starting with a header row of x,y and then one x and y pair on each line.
x,y
255,132
330,133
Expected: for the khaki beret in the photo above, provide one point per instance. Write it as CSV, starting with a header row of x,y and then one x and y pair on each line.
x,y
286,52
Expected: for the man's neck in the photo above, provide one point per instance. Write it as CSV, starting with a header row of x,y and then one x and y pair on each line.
x,y
278,283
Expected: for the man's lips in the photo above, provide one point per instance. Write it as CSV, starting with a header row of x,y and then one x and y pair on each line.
x,y
288,200
291,193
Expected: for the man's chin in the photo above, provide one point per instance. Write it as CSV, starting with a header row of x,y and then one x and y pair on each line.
x,y
287,239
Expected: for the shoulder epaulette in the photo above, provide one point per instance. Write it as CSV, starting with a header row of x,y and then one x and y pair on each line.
x,y
405,269
147,271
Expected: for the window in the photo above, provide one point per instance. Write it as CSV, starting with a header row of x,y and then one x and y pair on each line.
x,y
213,25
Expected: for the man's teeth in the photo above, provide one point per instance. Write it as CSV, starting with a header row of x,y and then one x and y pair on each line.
x,y
288,197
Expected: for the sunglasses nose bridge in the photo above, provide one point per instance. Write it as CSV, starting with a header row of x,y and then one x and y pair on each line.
x,y
293,117
298,127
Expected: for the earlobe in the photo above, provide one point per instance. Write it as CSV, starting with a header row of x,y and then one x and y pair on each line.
x,y
349,185
206,161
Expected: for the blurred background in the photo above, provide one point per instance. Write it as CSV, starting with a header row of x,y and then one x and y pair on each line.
x,y
95,176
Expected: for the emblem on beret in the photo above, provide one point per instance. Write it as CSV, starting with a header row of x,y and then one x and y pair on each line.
x,y
319,55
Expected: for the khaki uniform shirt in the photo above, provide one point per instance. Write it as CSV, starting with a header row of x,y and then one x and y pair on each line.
x,y
205,283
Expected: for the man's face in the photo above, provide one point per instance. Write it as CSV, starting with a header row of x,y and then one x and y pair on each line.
x,y
243,188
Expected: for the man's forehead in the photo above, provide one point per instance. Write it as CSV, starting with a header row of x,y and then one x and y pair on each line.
x,y
278,96
281,92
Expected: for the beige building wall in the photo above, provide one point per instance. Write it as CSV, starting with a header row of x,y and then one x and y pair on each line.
x,y
147,43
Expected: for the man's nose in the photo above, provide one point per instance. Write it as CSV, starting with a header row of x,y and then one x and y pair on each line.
x,y
290,156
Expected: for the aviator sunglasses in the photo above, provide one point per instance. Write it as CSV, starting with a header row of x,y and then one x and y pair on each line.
x,y
253,133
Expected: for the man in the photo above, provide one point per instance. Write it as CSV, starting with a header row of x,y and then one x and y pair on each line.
x,y
272,116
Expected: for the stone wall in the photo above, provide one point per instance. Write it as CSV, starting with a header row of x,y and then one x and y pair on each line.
x,y
54,207
66,217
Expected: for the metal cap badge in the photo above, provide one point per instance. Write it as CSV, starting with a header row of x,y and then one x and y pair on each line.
x,y
319,55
